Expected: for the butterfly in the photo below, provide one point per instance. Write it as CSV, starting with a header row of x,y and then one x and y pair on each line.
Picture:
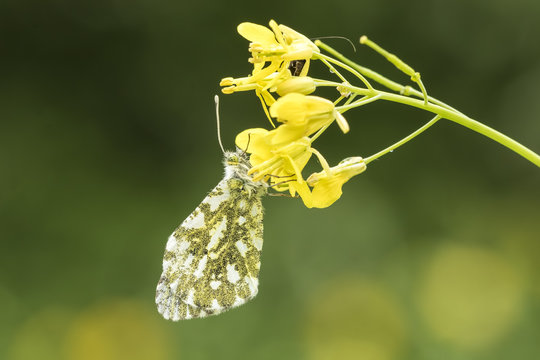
x,y
212,260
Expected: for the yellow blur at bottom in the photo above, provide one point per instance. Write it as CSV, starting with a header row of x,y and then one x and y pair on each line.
x,y
470,296
115,329
354,319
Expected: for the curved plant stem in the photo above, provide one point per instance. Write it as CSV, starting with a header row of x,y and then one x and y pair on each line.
x,y
346,67
442,111
402,141
384,81
466,121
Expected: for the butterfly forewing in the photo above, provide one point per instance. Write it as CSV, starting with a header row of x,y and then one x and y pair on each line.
x,y
212,259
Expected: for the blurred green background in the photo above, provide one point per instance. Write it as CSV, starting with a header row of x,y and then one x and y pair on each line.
x,y
107,142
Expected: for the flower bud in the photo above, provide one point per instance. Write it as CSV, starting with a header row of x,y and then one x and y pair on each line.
x,y
327,184
303,85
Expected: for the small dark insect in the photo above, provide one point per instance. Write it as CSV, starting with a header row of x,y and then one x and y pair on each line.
x,y
296,66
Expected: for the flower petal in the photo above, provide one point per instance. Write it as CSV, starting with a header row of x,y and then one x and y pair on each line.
x,y
327,184
245,139
303,85
327,191
342,122
286,134
257,33
297,53
296,108
293,36
303,190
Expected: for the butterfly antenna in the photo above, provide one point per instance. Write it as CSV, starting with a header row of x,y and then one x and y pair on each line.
x,y
247,146
336,37
216,100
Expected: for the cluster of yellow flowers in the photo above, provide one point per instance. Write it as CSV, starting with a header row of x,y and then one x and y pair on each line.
x,y
281,58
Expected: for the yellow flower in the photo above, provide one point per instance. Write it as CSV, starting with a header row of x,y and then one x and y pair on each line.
x,y
279,155
303,115
303,190
279,163
279,44
272,52
303,85
327,184
299,109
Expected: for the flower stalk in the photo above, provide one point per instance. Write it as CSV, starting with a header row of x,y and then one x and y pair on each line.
x,y
281,59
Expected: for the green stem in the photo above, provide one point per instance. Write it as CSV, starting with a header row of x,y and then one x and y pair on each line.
x,y
402,141
466,121
364,101
384,81
447,113
346,67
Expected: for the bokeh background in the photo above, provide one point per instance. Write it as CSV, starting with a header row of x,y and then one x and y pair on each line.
x,y
108,141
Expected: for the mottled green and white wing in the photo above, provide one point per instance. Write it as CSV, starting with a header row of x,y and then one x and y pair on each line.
x,y
212,260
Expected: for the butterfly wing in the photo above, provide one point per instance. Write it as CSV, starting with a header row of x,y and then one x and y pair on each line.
x,y
212,260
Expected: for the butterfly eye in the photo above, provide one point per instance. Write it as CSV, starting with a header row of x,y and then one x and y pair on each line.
x,y
233,159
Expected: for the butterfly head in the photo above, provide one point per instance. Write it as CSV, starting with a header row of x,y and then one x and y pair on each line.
x,y
237,159
237,166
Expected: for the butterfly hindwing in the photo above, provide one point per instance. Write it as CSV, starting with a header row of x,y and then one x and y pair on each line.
x,y
212,260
